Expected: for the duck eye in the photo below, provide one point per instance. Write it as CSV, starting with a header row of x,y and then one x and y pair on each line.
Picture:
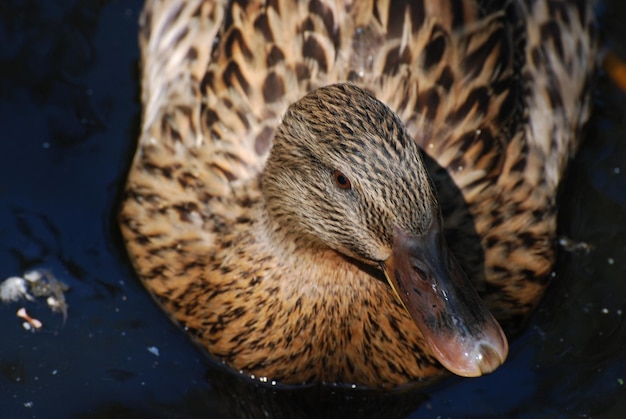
x,y
341,180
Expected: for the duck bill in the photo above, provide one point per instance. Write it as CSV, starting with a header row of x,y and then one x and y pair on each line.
x,y
462,334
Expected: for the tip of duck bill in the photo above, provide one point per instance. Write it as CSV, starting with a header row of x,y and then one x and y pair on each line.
x,y
484,359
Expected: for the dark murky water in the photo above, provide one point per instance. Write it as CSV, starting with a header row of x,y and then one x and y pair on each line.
x,y
68,118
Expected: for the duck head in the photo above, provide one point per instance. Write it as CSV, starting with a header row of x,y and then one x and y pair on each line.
x,y
344,174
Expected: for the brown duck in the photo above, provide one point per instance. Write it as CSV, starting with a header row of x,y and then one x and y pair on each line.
x,y
279,207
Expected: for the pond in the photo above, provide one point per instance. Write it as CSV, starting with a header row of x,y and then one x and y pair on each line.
x,y
69,117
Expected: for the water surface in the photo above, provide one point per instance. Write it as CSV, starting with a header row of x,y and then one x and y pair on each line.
x,y
69,116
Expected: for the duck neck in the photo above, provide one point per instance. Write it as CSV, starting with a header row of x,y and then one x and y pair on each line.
x,y
284,238
314,279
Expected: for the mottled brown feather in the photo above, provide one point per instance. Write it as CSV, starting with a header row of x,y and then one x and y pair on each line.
x,y
496,98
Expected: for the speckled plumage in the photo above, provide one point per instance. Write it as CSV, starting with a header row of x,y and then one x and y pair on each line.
x,y
496,98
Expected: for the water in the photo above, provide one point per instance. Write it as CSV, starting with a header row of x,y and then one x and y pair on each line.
x,y
69,115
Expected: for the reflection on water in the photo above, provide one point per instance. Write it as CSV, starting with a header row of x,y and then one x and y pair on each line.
x,y
68,117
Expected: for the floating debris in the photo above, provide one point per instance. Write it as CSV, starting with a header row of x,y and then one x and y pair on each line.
x,y
37,283
31,323
52,289
574,246
14,289
153,350
33,276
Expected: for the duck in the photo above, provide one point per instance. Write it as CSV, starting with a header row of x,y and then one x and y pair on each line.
x,y
354,193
